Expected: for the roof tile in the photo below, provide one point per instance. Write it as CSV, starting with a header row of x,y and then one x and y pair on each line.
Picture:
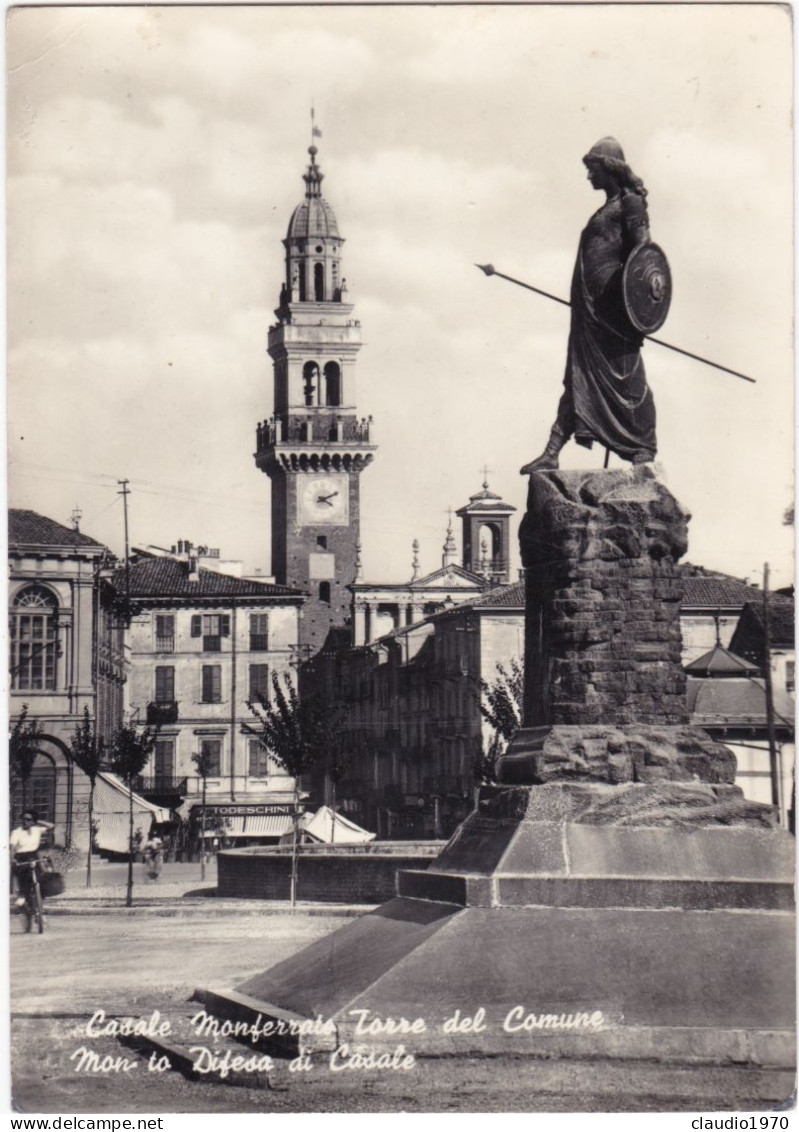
x,y
30,528
169,578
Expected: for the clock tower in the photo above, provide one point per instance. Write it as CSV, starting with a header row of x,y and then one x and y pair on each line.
x,y
315,447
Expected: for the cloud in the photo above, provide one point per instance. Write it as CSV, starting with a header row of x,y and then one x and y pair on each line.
x,y
156,155
112,259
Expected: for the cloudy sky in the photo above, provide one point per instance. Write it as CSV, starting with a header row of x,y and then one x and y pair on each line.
x,y
155,156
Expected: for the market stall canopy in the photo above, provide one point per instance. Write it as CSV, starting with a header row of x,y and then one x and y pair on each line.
x,y
112,816
328,827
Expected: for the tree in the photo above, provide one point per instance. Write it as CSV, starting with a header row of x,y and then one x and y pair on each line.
x,y
130,750
343,748
88,752
203,762
501,706
299,734
23,744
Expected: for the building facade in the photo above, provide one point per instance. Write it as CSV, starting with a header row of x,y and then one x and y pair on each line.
x,y
711,608
314,447
66,654
414,699
203,645
727,697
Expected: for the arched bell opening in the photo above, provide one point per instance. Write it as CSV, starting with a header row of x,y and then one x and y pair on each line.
x,y
332,384
310,383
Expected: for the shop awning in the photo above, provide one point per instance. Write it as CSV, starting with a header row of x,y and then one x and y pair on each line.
x,y
112,813
254,825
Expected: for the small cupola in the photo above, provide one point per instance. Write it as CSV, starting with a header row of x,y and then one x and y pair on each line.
x,y
313,245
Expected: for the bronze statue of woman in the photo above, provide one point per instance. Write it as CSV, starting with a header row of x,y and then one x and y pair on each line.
x,y
606,397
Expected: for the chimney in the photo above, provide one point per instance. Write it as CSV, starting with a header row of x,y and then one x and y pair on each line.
x,y
194,571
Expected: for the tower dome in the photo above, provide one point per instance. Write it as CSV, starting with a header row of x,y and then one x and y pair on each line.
x,y
313,249
313,217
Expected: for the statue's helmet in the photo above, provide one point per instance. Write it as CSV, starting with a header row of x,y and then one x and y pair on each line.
x,y
604,148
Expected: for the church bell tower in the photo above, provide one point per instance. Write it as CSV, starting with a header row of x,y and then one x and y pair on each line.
x,y
314,447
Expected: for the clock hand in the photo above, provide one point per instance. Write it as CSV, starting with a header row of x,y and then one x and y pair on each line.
x,y
326,498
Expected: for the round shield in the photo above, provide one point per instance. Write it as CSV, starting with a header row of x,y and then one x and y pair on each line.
x,y
646,287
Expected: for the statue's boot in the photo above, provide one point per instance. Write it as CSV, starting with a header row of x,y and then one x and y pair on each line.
x,y
548,460
642,457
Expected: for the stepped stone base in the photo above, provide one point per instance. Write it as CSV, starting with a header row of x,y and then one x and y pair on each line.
x,y
616,901
615,754
557,929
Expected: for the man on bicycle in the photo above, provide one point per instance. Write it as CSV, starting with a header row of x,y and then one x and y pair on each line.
x,y
25,842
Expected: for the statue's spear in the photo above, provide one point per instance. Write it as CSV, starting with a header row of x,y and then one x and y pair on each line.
x,y
489,269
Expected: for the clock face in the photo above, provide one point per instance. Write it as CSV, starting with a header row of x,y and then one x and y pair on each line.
x,y
323,501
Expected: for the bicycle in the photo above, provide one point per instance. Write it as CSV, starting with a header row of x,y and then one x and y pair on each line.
x,y
33,908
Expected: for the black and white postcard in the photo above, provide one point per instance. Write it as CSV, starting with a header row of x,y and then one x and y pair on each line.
x,y
351,770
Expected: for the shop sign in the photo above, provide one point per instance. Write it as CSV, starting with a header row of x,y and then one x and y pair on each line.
x,y
234,811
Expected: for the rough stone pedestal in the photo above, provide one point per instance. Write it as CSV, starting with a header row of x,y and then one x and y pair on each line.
x,y
604,686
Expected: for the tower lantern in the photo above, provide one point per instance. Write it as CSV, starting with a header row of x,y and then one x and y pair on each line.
x,y
486,524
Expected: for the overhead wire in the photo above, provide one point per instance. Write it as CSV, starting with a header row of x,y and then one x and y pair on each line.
x,y
146,487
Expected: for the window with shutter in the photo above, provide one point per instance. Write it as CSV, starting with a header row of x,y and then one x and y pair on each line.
x,y
213,749
259,632
212,683
258,759
164,684
164,632
212,632
259,682
164,760
196,625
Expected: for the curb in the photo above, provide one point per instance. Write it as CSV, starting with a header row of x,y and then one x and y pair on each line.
x,y
212,907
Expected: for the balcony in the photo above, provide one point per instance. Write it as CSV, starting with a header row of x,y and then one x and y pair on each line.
x,y
162,712
161,786
165,643
331,425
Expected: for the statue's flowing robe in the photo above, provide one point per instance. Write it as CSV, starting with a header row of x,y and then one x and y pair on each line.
x,y
606,397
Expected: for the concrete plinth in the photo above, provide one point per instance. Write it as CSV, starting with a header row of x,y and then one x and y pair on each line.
x,y
619,983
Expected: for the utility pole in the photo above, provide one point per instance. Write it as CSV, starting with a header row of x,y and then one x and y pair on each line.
x,y
772,739
125,492
233,630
